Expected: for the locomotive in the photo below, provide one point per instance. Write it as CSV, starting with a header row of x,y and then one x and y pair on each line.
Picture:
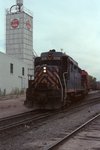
x,y
57,81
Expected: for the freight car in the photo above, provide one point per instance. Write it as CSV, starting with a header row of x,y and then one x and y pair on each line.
x,y
57,81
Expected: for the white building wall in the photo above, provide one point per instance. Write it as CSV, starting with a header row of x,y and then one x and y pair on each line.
x,y
12,81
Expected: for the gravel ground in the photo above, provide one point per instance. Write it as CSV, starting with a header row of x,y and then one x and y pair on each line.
x,y
86,139
47,132
12,106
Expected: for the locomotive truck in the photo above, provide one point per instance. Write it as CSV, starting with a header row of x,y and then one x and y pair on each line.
x,y
58,80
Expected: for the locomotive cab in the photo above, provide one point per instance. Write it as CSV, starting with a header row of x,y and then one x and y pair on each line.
x,y
64,68
64,62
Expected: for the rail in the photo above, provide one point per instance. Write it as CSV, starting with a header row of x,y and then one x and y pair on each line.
x,y
62,141
21,119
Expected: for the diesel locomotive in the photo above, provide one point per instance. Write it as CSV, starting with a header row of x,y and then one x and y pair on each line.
x,y
58,80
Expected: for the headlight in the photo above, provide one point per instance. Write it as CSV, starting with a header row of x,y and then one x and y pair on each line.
x,y
44,69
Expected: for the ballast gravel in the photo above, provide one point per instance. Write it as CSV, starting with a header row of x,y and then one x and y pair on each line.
x,y
45,133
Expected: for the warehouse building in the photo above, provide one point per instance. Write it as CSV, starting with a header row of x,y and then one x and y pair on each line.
x,y
13,74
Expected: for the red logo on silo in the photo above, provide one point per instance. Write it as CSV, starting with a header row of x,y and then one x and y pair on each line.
x,y
28,24
15,23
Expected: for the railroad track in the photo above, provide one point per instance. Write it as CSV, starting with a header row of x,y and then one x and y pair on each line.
x,y
80,104
58,144
22,119
36,118
30,116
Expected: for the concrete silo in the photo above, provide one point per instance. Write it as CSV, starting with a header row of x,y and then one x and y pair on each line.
x,y
19,33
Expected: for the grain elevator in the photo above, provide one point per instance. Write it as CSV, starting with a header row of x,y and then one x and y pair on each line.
x,y
19,33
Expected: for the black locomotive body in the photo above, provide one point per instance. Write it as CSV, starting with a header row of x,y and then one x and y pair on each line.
x,y
57,80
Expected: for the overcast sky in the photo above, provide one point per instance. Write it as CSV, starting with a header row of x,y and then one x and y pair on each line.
x,y
71,25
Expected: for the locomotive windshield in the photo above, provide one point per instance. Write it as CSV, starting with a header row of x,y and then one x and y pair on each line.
x,y
40,62
51,62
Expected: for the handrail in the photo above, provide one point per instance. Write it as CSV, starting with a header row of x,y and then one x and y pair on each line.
x,y
65,84
61,87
